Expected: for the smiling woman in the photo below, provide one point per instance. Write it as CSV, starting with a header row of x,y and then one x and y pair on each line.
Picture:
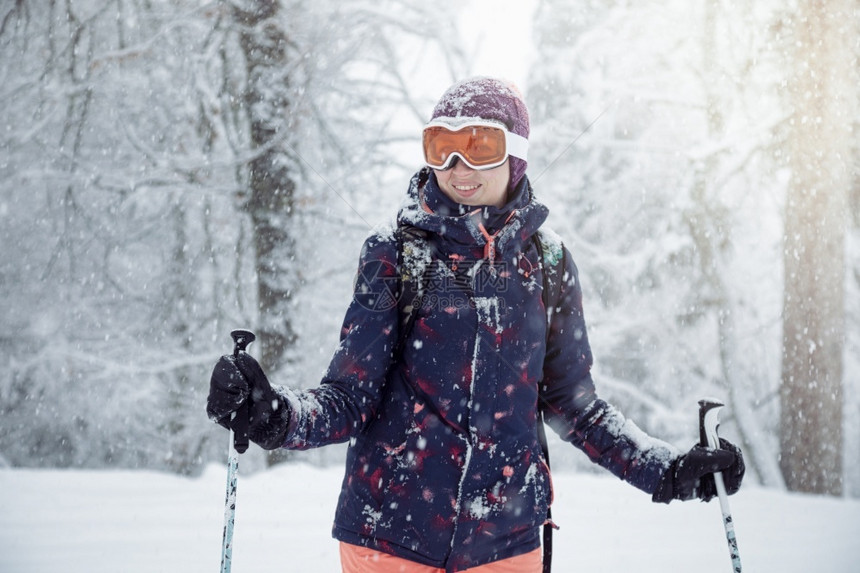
x,y
443,410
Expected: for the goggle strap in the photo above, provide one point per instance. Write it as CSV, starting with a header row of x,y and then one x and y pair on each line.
x,y
517,145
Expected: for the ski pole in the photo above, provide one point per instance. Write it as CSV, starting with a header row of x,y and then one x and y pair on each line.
x,y
237,445
709,422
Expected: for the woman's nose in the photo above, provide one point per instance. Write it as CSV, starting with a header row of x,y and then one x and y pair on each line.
x,y
460,166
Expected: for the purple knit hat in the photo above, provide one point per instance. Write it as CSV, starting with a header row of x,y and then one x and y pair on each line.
x,y
489,99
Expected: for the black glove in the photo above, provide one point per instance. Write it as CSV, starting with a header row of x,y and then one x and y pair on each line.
x,y
269,413
691,475
239,385
228,390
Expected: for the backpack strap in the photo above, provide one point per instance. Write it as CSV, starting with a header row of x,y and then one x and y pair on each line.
x,y
552,266
551,250
414,255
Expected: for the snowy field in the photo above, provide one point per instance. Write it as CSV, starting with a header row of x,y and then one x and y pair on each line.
x,y
112,521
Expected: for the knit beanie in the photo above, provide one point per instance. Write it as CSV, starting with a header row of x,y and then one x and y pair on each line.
x,y
489,99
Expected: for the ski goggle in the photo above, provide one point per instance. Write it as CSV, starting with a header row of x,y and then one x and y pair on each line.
x,y
479,144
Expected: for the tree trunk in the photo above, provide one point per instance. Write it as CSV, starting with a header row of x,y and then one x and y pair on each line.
x,y
264,45
824,101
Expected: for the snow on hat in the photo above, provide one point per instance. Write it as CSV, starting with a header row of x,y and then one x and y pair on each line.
x,y
488,99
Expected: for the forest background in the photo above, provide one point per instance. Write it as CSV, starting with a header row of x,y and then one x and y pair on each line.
x,y
170,170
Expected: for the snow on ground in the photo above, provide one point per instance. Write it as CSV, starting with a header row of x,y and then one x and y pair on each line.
x,y
57,521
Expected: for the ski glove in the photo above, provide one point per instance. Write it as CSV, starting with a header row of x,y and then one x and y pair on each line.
x,y
690,476
239,385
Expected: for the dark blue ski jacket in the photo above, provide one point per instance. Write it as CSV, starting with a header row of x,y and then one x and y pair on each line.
x,y
444,465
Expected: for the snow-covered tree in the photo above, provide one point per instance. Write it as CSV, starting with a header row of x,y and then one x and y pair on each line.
x,y
660,129
169,172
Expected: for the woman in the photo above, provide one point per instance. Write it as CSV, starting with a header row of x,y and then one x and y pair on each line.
x,y
444,469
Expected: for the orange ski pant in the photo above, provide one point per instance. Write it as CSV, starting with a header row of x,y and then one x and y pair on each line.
x,y
356,559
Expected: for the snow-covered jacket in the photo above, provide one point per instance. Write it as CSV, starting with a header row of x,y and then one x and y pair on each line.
x,y
444,465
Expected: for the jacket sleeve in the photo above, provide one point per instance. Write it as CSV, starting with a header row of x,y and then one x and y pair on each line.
x,y
351,389
572,408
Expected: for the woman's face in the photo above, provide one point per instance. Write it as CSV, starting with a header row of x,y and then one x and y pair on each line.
x,y
469,186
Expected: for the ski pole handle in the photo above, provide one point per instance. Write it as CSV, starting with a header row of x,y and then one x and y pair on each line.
x,y
241,418
241,340
709,423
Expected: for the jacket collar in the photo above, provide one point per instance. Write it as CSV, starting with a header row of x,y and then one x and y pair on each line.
x,y
428,208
